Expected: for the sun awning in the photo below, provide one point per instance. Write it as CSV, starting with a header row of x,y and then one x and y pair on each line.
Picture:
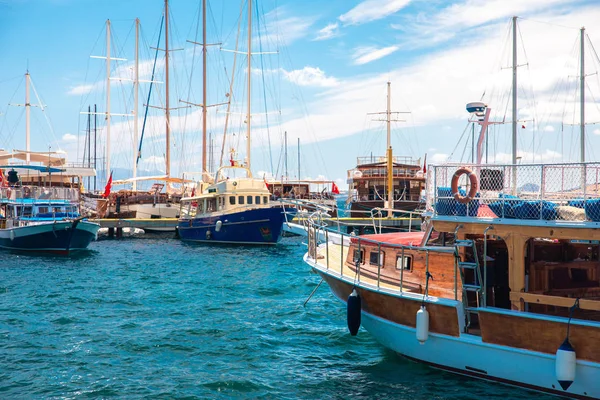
x,y
162,178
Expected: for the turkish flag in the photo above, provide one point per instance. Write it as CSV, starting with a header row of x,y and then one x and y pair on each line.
x,y
334,188
265,179
107,187
425,164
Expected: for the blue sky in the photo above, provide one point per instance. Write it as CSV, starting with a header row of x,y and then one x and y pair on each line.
x,y
332,64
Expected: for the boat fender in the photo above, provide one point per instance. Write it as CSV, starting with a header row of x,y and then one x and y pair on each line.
x,y
422,325
218,226
12,234
208,235
234,183
566,362
354,310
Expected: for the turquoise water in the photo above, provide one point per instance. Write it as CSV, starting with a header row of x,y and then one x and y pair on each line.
x,y
153,317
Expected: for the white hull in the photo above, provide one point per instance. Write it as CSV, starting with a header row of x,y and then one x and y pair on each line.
x,y
468,355
154,211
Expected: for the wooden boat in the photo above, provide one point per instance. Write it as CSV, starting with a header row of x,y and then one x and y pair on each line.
x,y
390,182
301,194
502,285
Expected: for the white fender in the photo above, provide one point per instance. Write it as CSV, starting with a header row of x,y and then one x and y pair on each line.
x,y
566,363
218,226
422,325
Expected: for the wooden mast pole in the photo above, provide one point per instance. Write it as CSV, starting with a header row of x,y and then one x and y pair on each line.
x,y
27,118
107,99
249,83
390,159
167,112
204,170
136,84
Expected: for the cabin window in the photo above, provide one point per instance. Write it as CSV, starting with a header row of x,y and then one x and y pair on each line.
x,y
240,199
232,200
27,211
265,199
257,199
404,263
249,199
359,256
377,258
43,210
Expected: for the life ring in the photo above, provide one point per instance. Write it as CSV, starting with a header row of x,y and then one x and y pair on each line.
x,y
26,192
472,191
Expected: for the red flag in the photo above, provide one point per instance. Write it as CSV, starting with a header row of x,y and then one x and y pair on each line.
x,y
425,164
265,179
334,188
523,126
3,181
193,191
107,187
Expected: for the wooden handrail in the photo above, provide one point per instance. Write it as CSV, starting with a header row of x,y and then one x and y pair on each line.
x,y
533,298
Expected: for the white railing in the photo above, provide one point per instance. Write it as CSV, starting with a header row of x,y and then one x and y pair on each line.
x,y
39,193
551,192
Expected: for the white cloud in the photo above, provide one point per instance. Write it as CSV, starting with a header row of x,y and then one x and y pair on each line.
x,y
283,28
68,137
438,158
364,55
81,89
527,157
310,76
330,31
372,10
596,131
550,128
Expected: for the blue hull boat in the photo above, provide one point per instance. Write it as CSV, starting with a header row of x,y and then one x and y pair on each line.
x,y
254,226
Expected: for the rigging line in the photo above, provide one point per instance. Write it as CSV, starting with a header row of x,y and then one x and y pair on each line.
x,y
548,23
139,155
227,115
44,111
264,91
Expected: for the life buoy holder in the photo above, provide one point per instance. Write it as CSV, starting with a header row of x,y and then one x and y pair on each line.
x,y
474,185
26,192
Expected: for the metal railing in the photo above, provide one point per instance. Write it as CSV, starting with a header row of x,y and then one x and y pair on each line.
x,y
39,193
397,159
317,230
550,192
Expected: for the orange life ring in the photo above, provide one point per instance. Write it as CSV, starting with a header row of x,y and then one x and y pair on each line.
x,y
472,191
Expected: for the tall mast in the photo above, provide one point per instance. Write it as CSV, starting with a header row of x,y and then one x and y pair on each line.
x,y
299,160
89,143
285,159
514,94
95,141
167,112
27,114
204,170
249,85
136,84
582,95
390,159
107,99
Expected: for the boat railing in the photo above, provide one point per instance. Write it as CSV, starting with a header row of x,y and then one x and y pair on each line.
x,y
39,193
397,159
544,192
322,249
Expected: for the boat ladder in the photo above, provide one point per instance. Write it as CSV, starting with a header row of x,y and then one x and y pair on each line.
x,y
471,283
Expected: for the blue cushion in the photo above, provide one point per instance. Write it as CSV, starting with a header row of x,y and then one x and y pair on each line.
x,y
592,209
576,203
446,204
534,209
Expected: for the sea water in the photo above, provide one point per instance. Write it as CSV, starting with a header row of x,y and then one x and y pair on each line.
x,y
153,317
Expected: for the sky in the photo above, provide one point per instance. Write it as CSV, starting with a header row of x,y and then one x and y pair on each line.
x,y
317,70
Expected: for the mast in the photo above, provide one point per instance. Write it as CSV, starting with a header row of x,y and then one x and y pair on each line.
x,y
136,84
299,159
107,99
390,159
582,95
95,141
204,170
285,159
89,142
514,94
249,84
27,117
167,112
